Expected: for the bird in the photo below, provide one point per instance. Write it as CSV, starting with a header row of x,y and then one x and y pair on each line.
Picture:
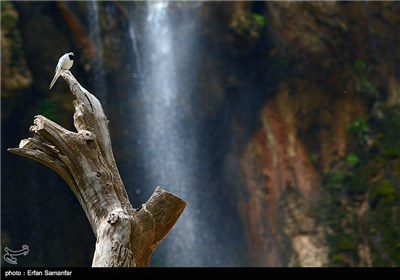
x,y
64,63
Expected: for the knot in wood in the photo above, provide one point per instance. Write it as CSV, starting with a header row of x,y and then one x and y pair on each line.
x,y
87,135
115,215
112,218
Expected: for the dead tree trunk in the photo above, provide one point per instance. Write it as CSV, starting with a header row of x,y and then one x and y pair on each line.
x,y
126,237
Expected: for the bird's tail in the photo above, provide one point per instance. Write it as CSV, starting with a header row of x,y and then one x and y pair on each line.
x,y
54,80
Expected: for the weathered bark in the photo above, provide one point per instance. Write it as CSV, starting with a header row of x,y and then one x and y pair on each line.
x,y
126,237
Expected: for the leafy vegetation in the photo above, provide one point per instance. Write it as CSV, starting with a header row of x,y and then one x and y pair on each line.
x,y
352,160
363,194
360,67
48,108
249,24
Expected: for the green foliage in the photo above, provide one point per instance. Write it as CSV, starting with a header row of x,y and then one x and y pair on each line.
x,y
335,179
249,25
342,243
367,178
359,126
383,194
8,18
360,68
384,219
345,242
48,108
391,153
387,129
368,85
340,260
258,20
352,160
345,181
313,158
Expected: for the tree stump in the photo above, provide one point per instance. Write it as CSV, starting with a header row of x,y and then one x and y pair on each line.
x,y
126,237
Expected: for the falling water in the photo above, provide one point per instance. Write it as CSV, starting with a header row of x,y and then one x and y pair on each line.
x,y
168,152
175,148
136,52
99,76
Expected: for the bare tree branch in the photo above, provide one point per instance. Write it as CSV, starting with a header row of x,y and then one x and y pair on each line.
x,y
84,159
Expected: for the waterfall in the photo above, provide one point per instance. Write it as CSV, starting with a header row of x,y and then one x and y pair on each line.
x,y
168,151
136,52
98,73
174,147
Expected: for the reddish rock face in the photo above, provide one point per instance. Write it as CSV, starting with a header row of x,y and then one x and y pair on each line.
x,y
304,131
274,164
